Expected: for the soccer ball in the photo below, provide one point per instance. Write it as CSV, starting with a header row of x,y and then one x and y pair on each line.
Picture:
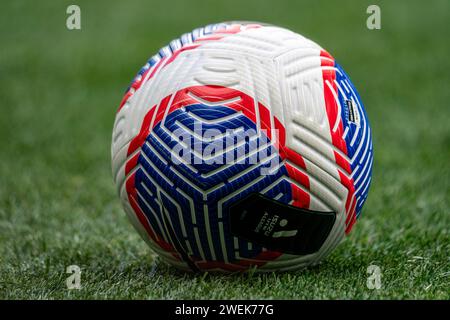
x,y
242,145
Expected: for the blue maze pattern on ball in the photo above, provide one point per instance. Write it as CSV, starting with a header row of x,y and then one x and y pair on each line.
x,y
358,138
195,196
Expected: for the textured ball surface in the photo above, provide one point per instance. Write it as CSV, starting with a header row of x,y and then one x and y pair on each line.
x,y
229,112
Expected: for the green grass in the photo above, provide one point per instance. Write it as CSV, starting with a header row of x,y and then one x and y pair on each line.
x,y
59,91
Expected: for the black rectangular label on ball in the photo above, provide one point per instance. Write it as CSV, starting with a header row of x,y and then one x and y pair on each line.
x,y
278,226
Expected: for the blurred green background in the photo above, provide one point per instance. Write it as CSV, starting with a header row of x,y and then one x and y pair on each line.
x,y
59,91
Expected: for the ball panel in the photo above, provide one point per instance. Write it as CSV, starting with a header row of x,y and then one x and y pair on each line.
x,y
195,195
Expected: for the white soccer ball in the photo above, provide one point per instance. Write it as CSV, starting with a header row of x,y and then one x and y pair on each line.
x,y
242,145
